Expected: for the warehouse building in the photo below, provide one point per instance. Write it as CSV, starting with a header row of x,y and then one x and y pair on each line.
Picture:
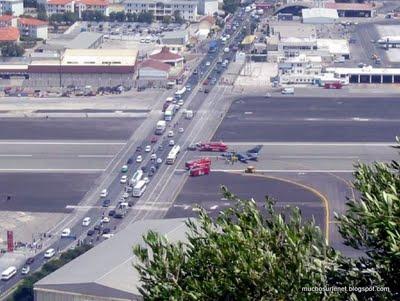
x,y
349,10
319,15
367,75
96,67
106,272
153,74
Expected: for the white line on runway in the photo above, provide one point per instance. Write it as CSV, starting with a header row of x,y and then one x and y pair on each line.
x,y
285,170
318,157
10,155
313,143
59,143
50,170
95,156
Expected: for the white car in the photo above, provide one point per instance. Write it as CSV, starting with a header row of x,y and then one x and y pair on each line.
x,y
124,179
49,253
171,143
159,161
25,270
66,232
125,195
104,193
139,159
181,130
208,63
148,149
86,221
105,220
170,134
107,235
146,180
153,156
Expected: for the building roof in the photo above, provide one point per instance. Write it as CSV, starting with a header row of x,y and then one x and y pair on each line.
x,y
293,29
84,40
166,55
107,269
31,22
9,34
6,18
100,57
319,12
349,6
334,46
248,39
94,2
178,34
155,65
58,2
208,19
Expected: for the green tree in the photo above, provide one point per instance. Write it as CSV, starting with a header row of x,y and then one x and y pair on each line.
x,y
56,19
120,16
230,6
145,17
10,49
178,18
131,17
167,19
241,255
371,222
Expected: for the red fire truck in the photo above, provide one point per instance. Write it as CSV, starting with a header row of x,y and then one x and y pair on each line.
x,y
198,162
200,170
334,85
213,147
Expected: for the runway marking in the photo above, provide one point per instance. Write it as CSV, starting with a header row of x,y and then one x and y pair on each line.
x,y
50,170
83,207
318,157
95,156
284,170
313,143
58,143
10,155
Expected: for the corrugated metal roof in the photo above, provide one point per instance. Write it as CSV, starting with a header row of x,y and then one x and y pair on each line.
x,y
84,40
106,270
318,12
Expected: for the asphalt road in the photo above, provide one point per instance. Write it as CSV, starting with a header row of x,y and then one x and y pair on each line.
x,y
41,192
57,156
68,128
205,191
298,119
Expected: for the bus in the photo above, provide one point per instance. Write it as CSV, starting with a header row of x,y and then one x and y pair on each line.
x,y
169,112
8,273
173,154
179,94
137,176
139,189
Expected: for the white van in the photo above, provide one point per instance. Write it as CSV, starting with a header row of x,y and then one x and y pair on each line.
x,y
49,253
8,273
104,193
66,232
86,221
288,90
139,189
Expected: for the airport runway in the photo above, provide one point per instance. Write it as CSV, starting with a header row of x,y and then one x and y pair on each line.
x,y
57,156
298,119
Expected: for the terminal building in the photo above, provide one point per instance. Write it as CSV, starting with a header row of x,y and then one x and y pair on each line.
x,y
106,272
367,75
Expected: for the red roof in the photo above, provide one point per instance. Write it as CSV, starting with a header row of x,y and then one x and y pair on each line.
x,y
9,34
165,55
155,65
6,18
31,22
349,6
58,2
94,2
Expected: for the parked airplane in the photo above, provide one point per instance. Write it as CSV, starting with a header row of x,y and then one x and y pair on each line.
x,y
250,155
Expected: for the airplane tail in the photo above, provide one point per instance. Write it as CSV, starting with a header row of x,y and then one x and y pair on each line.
x,y
255,150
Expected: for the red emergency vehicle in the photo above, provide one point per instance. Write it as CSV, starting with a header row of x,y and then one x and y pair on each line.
x,y
213,147
198,162
335,85
200,171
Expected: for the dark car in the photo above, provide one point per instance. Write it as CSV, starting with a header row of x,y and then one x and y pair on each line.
x,y
106,203
129,161
153,139
118,215
90,233
30,260
192,147
144,168
160,147
206,90
106,231
139,149
97,228
111,213
130,203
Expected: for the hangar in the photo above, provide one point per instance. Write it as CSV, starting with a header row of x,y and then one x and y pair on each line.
x,y
368,75
357,10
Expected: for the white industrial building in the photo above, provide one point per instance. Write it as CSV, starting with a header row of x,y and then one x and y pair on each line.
x,y
207,7
34,28
15,7
318,15
367,75
106,272
299,70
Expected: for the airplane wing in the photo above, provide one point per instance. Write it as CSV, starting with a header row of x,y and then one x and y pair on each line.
x,y
255,150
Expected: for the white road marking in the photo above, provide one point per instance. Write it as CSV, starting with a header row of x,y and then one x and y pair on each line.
x,y
290,170
318,157
50,170
82,207
95,156
385,144
11,155
58,143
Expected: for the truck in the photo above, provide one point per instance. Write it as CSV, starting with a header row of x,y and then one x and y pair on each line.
x,y
212,46
196,163
200,171
160,127
169,112
212,147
